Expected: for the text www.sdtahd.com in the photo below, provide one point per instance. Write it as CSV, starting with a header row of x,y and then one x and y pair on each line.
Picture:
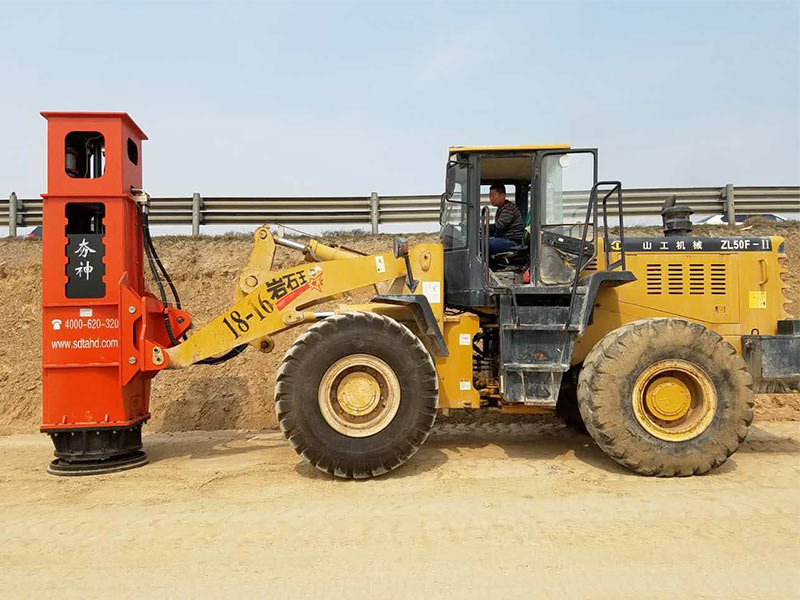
x,y
84,344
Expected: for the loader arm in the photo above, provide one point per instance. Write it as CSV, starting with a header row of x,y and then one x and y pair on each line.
x,y
271,301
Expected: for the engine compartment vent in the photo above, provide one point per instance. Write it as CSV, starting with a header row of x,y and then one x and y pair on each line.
x,y
718,279
675,279
695,279
653,279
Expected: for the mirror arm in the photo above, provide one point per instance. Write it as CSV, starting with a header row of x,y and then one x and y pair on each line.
x,y
410,282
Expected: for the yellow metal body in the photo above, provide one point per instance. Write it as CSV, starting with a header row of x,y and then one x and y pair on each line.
x,y
732,293
456,387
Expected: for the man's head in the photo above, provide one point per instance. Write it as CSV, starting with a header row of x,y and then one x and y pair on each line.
x,y
497,194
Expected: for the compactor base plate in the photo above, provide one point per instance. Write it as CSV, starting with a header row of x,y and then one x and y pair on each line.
x,y
67,468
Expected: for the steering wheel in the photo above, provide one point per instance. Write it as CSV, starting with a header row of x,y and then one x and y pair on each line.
x,y
567,244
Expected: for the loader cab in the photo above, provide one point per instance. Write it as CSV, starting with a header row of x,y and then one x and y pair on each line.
x,y
551,187
529,323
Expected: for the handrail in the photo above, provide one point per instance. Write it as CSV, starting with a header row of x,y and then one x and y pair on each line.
x,y
606,242
591,210
578,268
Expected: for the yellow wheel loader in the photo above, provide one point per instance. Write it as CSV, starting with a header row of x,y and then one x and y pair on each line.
x,y
653,345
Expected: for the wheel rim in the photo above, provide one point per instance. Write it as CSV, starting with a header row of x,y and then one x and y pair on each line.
x,y
359,395
674,400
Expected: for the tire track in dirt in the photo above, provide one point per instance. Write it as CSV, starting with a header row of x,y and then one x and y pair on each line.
x,y
483,510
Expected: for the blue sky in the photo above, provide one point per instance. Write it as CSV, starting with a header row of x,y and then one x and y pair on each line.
x,y
346,98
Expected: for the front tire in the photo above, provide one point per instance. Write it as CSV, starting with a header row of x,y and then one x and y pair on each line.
x,y
356,395
666,397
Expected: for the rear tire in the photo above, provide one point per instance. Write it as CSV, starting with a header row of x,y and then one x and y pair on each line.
x,y
567,408
356,395
666,397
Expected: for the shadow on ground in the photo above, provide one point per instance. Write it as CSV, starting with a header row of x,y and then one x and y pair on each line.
x,y
760,440
546,440
428,458
212,444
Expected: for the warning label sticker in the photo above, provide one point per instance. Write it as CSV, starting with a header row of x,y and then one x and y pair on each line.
x,y
758,299
432,290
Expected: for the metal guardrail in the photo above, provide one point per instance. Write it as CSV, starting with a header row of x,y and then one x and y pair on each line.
x,y
375,209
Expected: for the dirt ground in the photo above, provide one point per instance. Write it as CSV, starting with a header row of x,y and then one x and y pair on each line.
x,y
240,394
526,510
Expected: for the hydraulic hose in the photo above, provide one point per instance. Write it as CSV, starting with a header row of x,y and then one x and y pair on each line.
x,y
157,269
152,261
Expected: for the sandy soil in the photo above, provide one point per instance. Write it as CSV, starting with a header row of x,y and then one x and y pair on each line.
x,y
491,511
240,394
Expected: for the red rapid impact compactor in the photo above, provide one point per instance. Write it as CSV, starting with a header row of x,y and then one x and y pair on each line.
x,y
100,324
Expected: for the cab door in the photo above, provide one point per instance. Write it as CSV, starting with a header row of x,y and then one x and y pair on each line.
x,y
562,182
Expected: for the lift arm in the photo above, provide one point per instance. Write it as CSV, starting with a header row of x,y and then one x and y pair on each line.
x,y
270,301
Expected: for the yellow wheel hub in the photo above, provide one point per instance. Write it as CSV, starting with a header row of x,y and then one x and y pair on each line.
x,y
674,400
359,395
668,398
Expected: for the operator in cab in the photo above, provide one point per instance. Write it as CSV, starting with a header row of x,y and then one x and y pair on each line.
x,y
508,227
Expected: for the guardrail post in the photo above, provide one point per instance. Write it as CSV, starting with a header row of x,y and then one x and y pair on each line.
x,y
374,211
12,215
729,205
197,207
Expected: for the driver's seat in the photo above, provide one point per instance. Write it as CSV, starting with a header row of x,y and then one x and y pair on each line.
x,y
516,256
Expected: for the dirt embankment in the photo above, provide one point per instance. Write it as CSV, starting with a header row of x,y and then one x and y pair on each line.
x,y
239,394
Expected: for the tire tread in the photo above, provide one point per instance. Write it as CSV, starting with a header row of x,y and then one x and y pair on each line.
x,y
598,396
292,368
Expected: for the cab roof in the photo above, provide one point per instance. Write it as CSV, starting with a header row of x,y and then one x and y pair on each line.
x,y
460,149
505,163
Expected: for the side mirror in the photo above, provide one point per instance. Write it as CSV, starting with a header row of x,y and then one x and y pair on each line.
x,y
450,180
449,185
400,247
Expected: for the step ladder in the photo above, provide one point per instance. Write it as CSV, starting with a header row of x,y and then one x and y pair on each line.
x,y
536,343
